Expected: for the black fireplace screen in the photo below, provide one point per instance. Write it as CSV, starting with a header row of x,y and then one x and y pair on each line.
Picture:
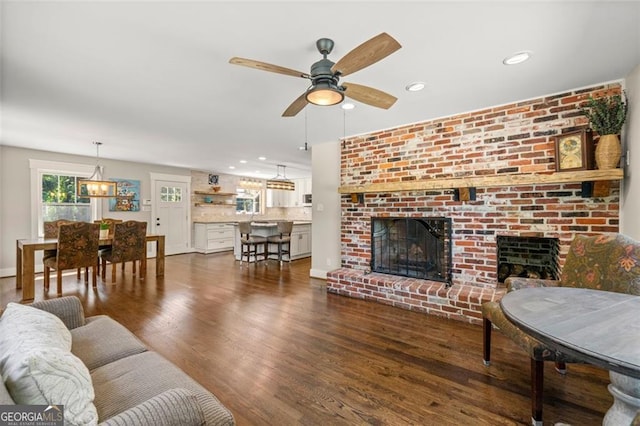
x,y
412,247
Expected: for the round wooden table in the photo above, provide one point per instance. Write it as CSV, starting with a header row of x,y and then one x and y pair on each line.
x,y
599,327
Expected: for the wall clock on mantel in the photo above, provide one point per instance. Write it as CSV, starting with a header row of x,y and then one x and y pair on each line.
x,y
574,151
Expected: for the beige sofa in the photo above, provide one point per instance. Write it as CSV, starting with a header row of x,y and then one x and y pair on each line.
x,y
131,385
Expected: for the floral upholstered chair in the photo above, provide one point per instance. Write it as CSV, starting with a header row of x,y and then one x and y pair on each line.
x,y
129,244
77,248
608,262
50,232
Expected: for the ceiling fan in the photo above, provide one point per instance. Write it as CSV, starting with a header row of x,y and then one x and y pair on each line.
x,y
325,74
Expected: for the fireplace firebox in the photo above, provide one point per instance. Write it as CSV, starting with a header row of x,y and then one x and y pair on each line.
x,y
412,247
532,257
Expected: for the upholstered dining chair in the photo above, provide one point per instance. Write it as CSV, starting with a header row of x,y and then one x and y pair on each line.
x,y
77,248
249,243
50,232
282,240
608,262
110,222
128,244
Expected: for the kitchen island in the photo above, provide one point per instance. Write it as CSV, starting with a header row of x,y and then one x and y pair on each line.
x,y
300,237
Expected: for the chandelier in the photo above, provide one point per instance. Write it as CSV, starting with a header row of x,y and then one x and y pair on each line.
x,y
95,186
281,182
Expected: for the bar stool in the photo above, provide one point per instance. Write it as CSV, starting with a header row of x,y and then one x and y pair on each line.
x,y
249,243
283,240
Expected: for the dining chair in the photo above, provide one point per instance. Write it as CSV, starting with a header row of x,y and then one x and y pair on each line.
x,y
51,232
77,248
249,243
608,262
282,239
128,244
110,222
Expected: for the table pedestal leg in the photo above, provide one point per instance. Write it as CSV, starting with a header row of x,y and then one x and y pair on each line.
x,y
626,400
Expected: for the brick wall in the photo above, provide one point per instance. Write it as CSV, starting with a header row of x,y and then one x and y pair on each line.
x,y
514,138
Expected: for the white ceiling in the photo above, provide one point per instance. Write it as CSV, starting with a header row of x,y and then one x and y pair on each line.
x,y
151,79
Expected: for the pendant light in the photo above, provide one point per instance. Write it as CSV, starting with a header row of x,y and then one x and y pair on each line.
x,y
281,182
95,186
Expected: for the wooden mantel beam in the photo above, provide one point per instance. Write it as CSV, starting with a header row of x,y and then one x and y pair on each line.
x,y
486,181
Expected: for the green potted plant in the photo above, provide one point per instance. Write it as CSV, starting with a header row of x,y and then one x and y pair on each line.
x,y
104,230
606,116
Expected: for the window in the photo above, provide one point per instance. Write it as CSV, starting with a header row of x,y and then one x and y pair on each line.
x,y
53,194
170,194
59,199
249,201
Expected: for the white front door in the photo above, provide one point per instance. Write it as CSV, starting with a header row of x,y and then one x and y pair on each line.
x,y
171,214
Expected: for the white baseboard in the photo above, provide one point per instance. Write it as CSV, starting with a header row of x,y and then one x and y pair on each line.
x,y
7,272
318,273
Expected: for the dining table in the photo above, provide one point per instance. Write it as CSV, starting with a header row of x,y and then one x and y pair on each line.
x,y
25,259
594,326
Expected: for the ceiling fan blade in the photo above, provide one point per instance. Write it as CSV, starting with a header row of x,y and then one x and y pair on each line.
x,y
297,106
267,67
369,95
369,52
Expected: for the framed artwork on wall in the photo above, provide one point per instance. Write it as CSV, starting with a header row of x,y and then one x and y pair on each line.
x,y
574,151
128,196
213,179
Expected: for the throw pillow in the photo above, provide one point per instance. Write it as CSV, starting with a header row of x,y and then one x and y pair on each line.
x,y
24,327
53,376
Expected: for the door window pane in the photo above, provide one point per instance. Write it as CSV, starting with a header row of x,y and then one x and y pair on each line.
x,y
170,194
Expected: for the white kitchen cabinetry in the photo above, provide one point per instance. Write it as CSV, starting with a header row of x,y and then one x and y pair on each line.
x,y
213,237
279,198
300,241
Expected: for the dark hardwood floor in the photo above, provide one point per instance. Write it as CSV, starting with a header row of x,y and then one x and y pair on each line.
x,y
275,348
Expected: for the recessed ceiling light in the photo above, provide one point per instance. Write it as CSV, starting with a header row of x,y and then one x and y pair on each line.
x,y
517,58
232,167
416,86
262,158
348,105
243,161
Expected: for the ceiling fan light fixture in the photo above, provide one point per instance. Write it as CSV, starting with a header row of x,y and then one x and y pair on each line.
x,y
324,94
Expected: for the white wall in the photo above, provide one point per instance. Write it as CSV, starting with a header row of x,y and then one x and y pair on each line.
x,y
630,199
325,237
15,207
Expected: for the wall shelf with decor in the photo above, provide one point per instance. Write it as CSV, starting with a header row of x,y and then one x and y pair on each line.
x,y
487,181
211,198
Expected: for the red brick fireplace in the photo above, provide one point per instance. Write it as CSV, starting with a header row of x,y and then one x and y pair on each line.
x,y
518,138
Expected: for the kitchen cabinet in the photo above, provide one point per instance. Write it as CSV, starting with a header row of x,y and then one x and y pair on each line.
x,y
295,198
278,198
300,241
213,237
